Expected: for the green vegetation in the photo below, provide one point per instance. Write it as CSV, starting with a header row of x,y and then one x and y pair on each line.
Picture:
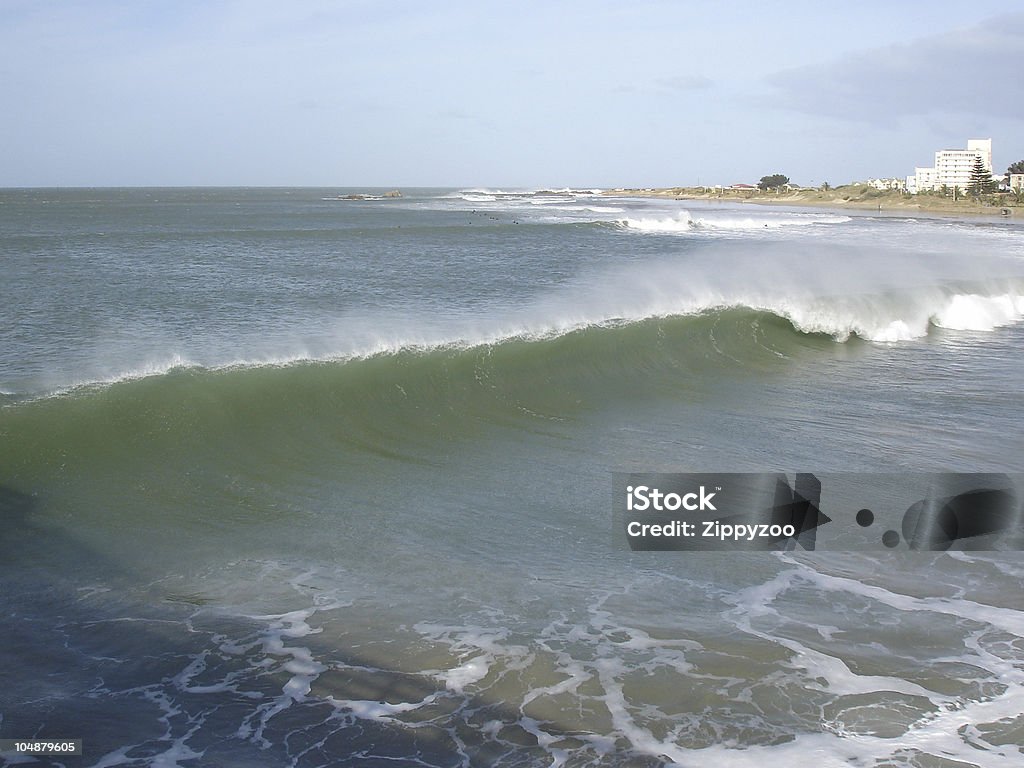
x,y
774,181
981,179
945,200
856,193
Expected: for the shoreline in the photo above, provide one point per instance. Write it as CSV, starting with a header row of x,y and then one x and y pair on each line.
x,y
842,198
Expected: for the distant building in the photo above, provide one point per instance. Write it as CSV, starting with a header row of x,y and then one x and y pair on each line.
x,y
1017,181
883,184
952,167
924,179
743,186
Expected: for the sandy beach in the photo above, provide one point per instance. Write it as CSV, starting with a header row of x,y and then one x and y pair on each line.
x,y
860,197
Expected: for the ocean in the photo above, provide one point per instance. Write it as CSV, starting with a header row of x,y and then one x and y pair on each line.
x,y
289,479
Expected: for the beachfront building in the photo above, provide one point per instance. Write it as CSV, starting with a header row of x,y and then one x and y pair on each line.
x,y
1017,181
923,179
884,184
952,167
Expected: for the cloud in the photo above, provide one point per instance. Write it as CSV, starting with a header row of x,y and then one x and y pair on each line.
x,y
456,114
678,83
459,116
685,82
973,71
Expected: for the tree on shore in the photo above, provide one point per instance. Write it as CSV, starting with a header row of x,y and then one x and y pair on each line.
x,y
774,181
981,178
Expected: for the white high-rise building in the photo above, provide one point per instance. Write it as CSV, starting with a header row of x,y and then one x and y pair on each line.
x,y
924,178
953,166
985,147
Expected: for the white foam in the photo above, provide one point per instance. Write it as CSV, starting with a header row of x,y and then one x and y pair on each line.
x,y
488,192
685,222
681,222
377,710
476,647
603,209
145,370
585,208
178,752
973,312
551,200
776,222
870,323
596,659
174,755
937,733
470,672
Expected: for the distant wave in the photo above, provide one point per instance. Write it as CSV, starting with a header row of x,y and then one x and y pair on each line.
x,y
495,192
354,198
578,207
537,193
551,199
684,221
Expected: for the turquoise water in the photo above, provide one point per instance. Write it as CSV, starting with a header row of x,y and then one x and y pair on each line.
x,y
290,479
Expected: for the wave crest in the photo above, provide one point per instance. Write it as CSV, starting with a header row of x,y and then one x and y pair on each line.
x,y
884,319
684,221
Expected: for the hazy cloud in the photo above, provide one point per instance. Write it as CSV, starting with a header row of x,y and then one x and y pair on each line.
x,y
456,114
679,83
685,82
460,116
972,71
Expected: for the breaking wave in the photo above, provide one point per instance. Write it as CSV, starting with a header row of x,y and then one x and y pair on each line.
x,y
684,221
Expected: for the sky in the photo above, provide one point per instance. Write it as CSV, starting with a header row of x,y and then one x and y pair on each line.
x,y
370,93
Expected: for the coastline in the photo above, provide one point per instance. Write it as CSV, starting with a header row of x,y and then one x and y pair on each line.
x,y
857,198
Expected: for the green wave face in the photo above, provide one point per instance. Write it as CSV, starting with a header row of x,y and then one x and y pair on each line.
x,y
183,464
388,404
